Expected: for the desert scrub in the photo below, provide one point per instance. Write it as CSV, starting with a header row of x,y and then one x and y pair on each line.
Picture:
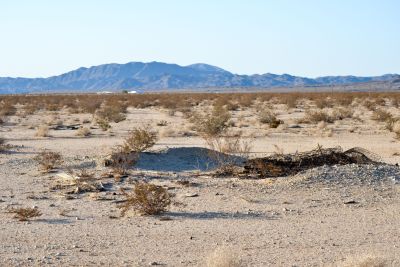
x,y
48,160
381,115
140,139
25,214
83,131
269,117
110,113
212,124
315,116
7,109
42,131
342,113
146,199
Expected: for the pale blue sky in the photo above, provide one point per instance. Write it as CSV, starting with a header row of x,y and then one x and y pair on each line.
x,y
310,38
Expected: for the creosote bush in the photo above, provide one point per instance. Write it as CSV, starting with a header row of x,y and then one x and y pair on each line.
x,y
25,214
48,160
111,113
269,117
140,139
315,116
146,199
381,115
212,124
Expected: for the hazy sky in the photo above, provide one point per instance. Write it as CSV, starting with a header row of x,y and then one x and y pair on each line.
x,y
41,38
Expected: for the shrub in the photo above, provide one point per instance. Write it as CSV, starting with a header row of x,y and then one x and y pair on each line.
x,y
110,113
315,116
381,115
140,139
146,199
3,145
122,160
42,131
25,214
103,124
83,131
222,257
267,116
48,160
212,124
7,109
342,113
162,123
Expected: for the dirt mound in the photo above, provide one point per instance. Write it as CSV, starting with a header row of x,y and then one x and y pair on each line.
x,y
291,164
182,159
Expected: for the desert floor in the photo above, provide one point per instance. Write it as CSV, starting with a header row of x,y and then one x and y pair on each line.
x,y
322,217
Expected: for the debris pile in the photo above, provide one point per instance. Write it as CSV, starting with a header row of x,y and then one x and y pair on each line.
x,y
279,165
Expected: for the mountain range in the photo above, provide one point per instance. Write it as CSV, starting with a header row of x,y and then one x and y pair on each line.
x,y
155,76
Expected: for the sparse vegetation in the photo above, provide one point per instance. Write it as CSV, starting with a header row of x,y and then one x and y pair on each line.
x,y
269,117
48,160
222,257
381,115
140,139
83,131
42,131
146,199
25,214
315,116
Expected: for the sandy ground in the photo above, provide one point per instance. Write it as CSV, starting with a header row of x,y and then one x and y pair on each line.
x,y
270,222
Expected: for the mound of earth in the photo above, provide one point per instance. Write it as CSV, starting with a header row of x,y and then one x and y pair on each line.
x,y
184,159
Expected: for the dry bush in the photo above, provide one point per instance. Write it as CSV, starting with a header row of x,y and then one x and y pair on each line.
x,y
226,150
315,116
110,114
25,214
162,123
121,160
103,124
146,199
323,103
42,131
269,117
223,257
140,139
342,113
7,109
83,131
48,160
366,261
381,115
3,144
212,124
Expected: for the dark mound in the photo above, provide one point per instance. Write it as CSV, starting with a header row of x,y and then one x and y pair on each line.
x,y
291,164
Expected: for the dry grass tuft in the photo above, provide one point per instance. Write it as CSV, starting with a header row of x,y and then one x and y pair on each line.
x,y
25,214
42,131
83,131
146,199
222,257
381,115
367,261
48,160
269,117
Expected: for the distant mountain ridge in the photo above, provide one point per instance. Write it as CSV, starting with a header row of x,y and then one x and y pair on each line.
x,y
163,76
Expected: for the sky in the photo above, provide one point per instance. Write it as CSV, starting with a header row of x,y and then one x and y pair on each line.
x,y
308,38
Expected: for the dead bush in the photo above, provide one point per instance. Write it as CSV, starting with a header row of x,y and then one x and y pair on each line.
x,y
227,150
121,160
3,144
366,261
223,257
48,160
315,116
83,131
110,114
269,117
42,131
342,113
381,115
25,214
146,199
7,109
